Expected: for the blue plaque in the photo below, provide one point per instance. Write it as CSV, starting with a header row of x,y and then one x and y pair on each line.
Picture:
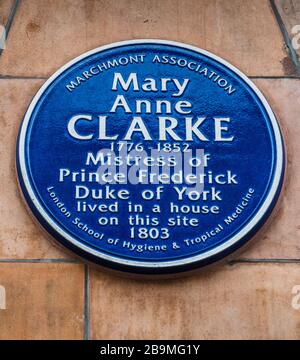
x,y
150,157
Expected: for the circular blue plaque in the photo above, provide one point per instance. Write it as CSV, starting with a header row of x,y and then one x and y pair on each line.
x,y
150,157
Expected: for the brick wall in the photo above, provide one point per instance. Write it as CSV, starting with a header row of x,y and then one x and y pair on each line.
x,y
47,293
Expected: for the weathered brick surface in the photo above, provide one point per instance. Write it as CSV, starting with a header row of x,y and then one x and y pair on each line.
x,y
43,301
239,302
281,238
5,7
46,34
20,237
